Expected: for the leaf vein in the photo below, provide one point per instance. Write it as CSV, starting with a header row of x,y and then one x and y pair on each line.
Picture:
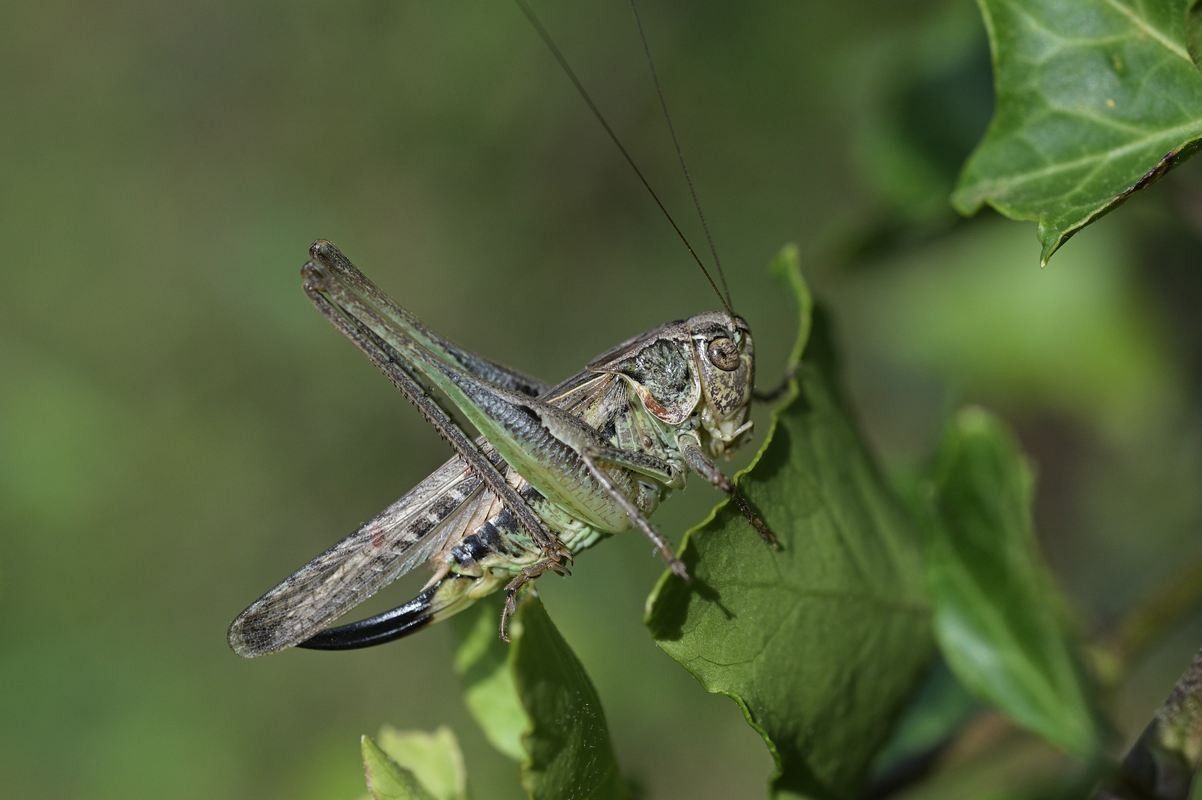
x,y
1193,128
1142,24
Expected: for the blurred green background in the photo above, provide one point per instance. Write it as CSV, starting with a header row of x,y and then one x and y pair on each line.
x,y
179,428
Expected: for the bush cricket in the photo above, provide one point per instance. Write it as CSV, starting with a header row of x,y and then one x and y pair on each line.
x,y
554,469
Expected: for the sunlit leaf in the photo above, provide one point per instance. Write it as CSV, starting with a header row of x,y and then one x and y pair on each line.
x,y
821,643
387,780
482,663
1095,100
433,758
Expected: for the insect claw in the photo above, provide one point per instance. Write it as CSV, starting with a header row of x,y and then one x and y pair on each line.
x,y
680,570
511,605
558,558
527,574
764,531
754,519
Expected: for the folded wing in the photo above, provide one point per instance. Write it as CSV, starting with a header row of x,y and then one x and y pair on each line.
x,y
407,533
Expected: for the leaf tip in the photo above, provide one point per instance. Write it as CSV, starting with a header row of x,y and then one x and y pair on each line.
x,y
976,421
964,200
368,746
1050,239
786,266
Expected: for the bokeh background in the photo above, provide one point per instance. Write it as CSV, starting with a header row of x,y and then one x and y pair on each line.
x,y
179,429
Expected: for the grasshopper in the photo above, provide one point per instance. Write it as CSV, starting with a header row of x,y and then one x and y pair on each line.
x,y
553,471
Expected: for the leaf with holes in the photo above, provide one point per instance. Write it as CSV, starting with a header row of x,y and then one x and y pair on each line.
x,y
1095,100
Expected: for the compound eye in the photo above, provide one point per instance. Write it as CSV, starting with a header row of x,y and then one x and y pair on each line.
x,y
723,353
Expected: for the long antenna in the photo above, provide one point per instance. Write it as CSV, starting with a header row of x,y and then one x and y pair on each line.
x,y
663,104
545,35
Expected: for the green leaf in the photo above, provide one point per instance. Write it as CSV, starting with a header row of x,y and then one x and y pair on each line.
x,y
998,620
433,758
537,686
387,780
1193,31
482,663
939,708
1095,100
570,754
820,643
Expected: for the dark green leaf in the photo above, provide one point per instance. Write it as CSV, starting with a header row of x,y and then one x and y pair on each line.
x,y
820,643
939,708
536,686
570,754
387,780
998,620
1095,100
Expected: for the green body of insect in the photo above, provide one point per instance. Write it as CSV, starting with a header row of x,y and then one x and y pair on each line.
x,y
553,471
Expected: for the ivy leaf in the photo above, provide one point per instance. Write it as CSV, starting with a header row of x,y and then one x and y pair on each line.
x,y
820,643
536,704
998,620
387,780
1095,100
1193,31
